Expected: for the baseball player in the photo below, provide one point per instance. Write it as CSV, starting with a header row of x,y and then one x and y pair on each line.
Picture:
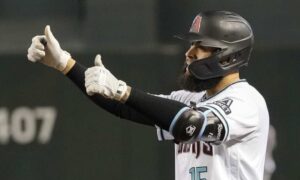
x,y
219,123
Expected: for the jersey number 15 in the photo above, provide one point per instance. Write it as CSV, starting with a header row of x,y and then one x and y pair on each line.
x,y
197,171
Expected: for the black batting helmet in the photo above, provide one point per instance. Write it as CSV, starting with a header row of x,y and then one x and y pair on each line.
x,y
226,31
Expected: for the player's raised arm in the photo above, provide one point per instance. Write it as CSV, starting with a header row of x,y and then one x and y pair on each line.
x,y
186,124
47,50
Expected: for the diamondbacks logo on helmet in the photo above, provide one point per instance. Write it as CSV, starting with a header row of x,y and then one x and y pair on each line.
x,y
195,28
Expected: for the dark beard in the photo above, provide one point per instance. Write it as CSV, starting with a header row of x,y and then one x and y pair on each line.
x,y
190,83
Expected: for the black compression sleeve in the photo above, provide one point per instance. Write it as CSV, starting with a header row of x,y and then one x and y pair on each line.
x,y
76,74
161,110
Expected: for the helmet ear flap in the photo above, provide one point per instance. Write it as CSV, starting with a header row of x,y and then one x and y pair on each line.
x,y
235,60
230,60
225,62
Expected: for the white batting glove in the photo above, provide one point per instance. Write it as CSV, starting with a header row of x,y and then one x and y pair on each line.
x,y
46,49
99,80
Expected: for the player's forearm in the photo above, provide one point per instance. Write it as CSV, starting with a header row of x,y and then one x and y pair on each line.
x,y
161,110
76,74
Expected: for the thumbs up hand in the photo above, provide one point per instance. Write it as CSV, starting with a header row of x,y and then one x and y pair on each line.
x,y
99,80
46,49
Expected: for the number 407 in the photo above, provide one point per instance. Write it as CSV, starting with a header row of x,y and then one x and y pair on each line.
x,y
21,125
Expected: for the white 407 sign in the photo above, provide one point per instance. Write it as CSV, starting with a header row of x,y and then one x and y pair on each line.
x,y
23,125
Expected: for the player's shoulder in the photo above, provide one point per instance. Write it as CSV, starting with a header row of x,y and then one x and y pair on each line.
x,y
246,91
245,95
241,93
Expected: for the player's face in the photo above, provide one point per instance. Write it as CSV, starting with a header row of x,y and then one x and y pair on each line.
x,y
197,52
189,82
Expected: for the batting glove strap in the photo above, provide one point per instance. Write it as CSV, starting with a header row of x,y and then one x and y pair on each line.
x,y
121,90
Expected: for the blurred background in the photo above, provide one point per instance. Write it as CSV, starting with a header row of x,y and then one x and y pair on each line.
x,y
50,130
